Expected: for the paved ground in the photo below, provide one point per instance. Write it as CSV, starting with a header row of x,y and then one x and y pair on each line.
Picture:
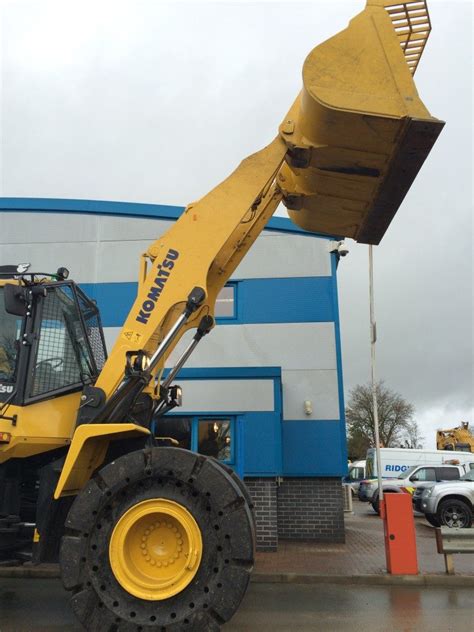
x,y
362,554
41,605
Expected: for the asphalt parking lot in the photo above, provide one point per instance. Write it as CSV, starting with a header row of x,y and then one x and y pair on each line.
x,y
41,605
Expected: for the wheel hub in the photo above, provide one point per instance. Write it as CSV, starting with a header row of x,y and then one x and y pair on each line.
x,y
155,549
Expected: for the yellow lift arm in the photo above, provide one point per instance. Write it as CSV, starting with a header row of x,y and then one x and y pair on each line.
x,y
346,154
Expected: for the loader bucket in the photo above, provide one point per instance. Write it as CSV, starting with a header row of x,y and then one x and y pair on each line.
x,y
359,133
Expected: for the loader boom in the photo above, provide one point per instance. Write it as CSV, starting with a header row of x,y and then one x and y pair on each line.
x,y
346,155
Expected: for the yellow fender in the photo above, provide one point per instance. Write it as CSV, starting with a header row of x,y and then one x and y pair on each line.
x,y
87,451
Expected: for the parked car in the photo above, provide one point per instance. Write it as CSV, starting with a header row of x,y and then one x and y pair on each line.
x,y
416,498
450,503
408,481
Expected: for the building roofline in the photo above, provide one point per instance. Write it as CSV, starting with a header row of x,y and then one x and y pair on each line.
x,y
126,209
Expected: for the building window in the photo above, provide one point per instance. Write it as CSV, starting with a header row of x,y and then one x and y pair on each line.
x,y
214,438
174,431
225,302
211,436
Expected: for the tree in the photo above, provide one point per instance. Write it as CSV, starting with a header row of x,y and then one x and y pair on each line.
x,y
412,437
397,428
357,445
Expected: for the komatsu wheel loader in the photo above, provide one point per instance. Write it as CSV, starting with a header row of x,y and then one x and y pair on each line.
x,y
157,537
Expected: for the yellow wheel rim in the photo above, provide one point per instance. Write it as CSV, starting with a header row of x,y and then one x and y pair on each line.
x,y
155,549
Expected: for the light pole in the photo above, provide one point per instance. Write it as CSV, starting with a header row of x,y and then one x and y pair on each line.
x,y
373,340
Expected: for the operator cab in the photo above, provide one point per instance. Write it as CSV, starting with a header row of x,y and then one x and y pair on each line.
x,y
51,339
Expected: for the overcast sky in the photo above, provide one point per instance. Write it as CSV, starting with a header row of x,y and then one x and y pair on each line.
x,y
151,101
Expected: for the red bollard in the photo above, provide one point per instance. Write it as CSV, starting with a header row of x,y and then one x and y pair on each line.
x,y
400,534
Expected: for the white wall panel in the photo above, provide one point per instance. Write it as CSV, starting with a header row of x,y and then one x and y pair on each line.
x,y
227,395
320,387
132,228
283,255
120,241
25,228
78,258
309,346
119,261
308,365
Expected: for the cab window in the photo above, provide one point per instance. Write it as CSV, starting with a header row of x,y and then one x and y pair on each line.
x,y
62,357
356,473
424,474
447,474
10,328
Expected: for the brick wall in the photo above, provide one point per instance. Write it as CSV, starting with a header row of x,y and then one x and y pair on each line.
x,y
264,496
311,509
297,509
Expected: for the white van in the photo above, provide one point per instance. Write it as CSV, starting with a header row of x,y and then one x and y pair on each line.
x,y
355,475
395,461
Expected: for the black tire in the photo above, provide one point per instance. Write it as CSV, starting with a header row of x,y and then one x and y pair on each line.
x,y
433,520
454,512
217,504
242,486
375,503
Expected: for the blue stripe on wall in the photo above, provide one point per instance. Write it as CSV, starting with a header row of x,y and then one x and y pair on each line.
x,y
293,300
113,299
313,448
262,443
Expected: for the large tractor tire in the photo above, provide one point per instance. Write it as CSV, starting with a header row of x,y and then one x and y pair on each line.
x,y
160,539
242,486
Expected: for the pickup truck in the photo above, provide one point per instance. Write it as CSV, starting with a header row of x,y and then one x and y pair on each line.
x,y
408,481
449,503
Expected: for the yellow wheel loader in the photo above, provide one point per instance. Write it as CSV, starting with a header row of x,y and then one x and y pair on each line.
x,y
156,537
460,438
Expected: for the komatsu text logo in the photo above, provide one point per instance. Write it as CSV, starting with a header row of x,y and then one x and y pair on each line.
x,y
4,388
162,276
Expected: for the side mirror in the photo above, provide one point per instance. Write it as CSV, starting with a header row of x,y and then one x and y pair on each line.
x,y
414,479
15,300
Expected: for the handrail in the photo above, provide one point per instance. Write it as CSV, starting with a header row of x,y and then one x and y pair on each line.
x,y
412,24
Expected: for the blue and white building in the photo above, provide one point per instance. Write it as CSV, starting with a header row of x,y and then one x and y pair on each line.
x,y
268,377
